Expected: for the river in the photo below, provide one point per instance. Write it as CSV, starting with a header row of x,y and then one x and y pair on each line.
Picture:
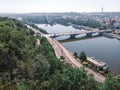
x,y
102,48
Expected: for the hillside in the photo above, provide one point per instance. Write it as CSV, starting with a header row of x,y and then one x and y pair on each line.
x,y
24,65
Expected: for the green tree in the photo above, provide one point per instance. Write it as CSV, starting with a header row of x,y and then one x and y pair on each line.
x,y
82,56
75,54
112,83
62,57
72,79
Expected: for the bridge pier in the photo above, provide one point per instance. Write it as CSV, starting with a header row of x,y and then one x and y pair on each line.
x,y
89,34
101,33
73,36
54,36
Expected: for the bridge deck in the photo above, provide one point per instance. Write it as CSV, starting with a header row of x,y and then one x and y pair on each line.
x,y
78,32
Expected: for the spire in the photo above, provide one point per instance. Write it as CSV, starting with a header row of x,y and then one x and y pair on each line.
x,y
102,10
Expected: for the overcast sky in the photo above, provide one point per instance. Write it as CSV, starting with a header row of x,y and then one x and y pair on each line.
x,y
27,6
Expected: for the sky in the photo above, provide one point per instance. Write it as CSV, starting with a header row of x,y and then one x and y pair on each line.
x,y
31,6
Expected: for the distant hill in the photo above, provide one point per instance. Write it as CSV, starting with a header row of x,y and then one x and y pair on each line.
x,y
60,13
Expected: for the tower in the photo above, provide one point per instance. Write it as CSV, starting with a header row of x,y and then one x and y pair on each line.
x,y
102,10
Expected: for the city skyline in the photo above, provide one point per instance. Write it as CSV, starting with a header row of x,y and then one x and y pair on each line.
x,y
32,6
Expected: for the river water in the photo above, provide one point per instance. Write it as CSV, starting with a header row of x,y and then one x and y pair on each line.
x,y
102,48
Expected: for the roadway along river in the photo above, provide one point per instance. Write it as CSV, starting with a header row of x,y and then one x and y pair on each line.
x,y
105,49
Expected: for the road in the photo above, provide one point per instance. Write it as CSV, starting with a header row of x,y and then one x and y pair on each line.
x,y
60,50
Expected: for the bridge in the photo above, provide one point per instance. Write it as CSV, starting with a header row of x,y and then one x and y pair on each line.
x,y
73,34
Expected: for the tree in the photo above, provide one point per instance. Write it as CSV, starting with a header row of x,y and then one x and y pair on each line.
x,y
82,57
41,68
75,54
72,79
62,57
112,83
